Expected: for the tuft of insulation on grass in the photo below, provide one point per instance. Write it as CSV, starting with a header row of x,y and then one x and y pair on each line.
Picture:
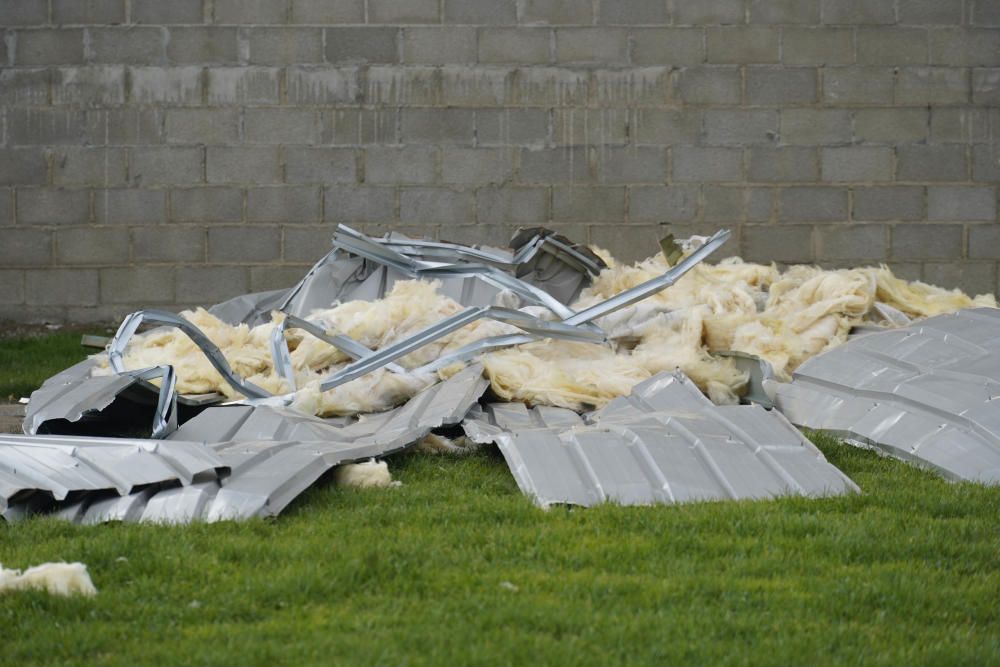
x,y
64,579
367,475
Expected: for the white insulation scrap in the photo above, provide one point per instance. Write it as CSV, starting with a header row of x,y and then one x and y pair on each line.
x,y
367,475
57,578
784,317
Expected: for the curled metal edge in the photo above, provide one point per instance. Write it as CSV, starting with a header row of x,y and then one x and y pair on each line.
x,y
165,416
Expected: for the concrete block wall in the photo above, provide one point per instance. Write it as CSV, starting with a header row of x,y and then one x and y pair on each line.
x,y
169,153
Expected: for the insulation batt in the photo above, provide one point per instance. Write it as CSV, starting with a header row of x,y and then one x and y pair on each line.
x,y
783,317
367,475
57,578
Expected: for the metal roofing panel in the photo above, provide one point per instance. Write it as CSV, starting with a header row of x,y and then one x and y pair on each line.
x,y
925,393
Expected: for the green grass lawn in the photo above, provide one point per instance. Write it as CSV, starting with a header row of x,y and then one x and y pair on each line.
x,y
458,567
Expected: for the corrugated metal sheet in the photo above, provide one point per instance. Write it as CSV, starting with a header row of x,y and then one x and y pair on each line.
x,y
665,443
926,393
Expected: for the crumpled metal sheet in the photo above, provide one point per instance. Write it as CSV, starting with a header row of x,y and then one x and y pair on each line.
x,y
926,393
664,443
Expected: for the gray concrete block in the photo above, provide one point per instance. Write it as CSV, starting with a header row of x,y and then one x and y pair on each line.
x,y
320,165
709,85
92,12
477,166
985,13
986,163
810,127
244,244
406,164
47,47
403,11
202,126
242,164
628,243
165,85
784,11
6,206
931,163
645,86
557,12
930,12
162,165
210,45
589,127
760,204
129,206
353,203
283,204
480,12
971,277
167,13
100,86
659,203
512,205
859,11
145,45
453,126
267,278
23,166
243,85
668,46
655,126
856,163
817,46
415,85
512,127
23,12
984,241
80,165
740,127
769,86
892,46
787,164
25,247
173,243
210,284
57,287
932,85
13,287
22,86
555,165
697,164
242,12
790,244
551,86
92,245
902,202
722,204
46,126
140,286
206,205
305,245
436,205
592,45
588,204
53,207
475,86
967,204
126,126
356,127
810,204
629,165
439,46
633,12
312,12
959,47
891,126
281,126
708,12
284,46
926,241
743,45
361,45
986,86
855,243
856,85
311,85
514,45
958,125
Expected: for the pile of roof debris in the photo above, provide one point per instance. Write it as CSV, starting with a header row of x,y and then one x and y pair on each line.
x,y
667,381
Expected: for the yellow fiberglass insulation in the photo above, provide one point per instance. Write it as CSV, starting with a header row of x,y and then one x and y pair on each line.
x,y
784,317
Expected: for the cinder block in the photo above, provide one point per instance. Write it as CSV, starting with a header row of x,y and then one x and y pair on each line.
x,y
592,45
53,207
281,126
476,166
245,85
930,12
144,45
628,165
633,12
210,45
257,165
588,203
627,243
639,86
312,12
926,241
745,44
480,12
709,85
474,86
732,127
353,203
760,204
986,163
790,244
525,127
403,11
167,13
857,163
172,243
162,165
557,12
140,285
23,12
722,204
861,12
903,202
697,164
495,235
210,284
985,13
283,204
986,87
320,165
514,45
655,126
817,46
438,46
555,165
658,203
284,46
206,205
892,46
959,47
437,126
405,164
23,166
242,12
809,204
89,86
984,241
968,204
551,86
932,85
356,127
59,287
46,126
79,165
13,287
129,207
47,47
92,245
126,126
322,85
6,206
436,205
787,164
856,85
25,87
861,243
266,278
890,126
305,245
708,12
768,86
362,45
421,85
971,277
165,85
589,127
668,46
784,11
92,12
25,247
931,163
512,205
202,126
810,127
244,244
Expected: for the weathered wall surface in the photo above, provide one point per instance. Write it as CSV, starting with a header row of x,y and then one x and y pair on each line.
x,y
170,152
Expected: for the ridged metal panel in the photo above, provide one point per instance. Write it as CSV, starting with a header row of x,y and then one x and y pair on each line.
x,y
927,393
